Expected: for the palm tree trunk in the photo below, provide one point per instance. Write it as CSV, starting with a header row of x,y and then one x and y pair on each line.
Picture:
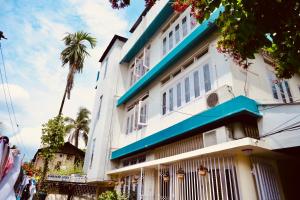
x,y
76,138
63,101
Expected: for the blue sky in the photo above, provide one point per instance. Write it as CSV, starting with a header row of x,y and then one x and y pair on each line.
x,y
34,29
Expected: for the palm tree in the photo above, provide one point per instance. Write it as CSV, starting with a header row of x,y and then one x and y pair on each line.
x,y
74,55
79,127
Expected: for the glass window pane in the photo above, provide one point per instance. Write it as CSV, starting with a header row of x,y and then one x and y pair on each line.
x,y
184,27
178,94
164,46
187,89
196,84
177,34
282,92
171,99
164,103
127,125
131,123
288,91
170,40
207,81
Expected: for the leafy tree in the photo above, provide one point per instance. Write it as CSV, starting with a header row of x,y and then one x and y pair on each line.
x,y
74,54
53,133
249,27
79,127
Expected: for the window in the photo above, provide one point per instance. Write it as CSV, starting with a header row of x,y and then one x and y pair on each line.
x,y
164,104
207,78
105,67
177,34
164,46
99,109
184,27
171,99
280,89
178,94
187,89
196,84
98,75
140,66
137,115
176,30
93,150
170,40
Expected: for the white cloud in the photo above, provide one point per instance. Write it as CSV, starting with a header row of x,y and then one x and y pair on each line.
x,y
40,79
18,93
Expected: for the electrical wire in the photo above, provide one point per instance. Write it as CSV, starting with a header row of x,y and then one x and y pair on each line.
x,y
10,109
8,90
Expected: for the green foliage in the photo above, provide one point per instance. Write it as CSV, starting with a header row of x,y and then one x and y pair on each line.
x,y
68,171
111,195
79,127
249,27
75,53
53,133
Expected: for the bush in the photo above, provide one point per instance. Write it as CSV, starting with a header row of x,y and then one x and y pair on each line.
x,y
111,195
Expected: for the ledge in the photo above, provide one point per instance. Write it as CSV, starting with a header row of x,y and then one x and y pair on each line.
x,y
238,106
234,147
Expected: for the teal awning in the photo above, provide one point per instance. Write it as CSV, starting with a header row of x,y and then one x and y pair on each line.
x,y
182,48
236,106
157,22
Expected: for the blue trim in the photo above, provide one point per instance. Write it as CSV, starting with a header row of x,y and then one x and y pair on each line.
x,y
236,106
172,57
158,21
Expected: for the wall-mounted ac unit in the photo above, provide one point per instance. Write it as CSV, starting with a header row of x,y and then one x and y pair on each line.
x,y
218,96
216,136
212,99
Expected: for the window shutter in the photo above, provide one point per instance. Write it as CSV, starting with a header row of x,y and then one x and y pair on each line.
x,y
146,59
137,69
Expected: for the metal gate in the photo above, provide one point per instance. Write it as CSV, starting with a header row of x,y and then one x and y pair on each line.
x,y
266,179
210,178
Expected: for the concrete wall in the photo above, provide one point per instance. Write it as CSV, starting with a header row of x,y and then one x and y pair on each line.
x,y
101,129
66,160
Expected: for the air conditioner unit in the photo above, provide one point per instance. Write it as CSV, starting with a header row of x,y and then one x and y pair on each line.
x,y
212,99
217,136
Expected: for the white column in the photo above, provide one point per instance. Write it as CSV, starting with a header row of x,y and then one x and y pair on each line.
x,y
246,182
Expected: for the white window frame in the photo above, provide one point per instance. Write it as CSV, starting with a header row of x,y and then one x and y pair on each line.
x,y
139,67
197,65
133,121
284,97
172,25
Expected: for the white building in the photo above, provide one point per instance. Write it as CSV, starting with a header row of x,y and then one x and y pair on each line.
x,y
175,119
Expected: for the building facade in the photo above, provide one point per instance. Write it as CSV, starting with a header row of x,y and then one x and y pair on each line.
x,y
176,119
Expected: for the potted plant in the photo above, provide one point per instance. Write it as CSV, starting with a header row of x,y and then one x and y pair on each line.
x,y
166,177
202,171
180,173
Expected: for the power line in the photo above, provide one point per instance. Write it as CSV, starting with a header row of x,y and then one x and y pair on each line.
x,y
8,89
5,82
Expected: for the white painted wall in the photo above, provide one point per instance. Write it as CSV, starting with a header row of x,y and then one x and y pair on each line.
x,y
277,117
103,127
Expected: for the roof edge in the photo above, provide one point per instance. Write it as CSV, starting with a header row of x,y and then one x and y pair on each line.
x,y
113,40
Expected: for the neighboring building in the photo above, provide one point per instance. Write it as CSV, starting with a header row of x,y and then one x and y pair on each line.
x,y
68,156
176,119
